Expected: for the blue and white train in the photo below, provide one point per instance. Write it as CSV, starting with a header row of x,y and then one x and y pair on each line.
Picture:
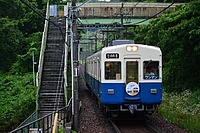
x,y
126,77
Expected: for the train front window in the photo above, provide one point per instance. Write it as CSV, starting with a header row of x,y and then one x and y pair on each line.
x,y
113,70
151,69
131,71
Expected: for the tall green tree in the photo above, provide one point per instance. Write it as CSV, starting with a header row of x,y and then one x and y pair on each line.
x,y
18,24
10,38
178,35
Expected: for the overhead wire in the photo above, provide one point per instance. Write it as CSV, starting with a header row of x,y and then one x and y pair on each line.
x,y
155,14
58,95
134,5
42,15
148,17
85,2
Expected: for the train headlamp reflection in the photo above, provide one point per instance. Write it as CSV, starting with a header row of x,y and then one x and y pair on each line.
x,y
132,48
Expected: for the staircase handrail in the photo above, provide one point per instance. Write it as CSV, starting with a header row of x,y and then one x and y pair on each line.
x,y
66,119
35,113
65,63
42,50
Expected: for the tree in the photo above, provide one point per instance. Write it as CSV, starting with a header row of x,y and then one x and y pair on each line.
x,y
18,23
178,35
9,42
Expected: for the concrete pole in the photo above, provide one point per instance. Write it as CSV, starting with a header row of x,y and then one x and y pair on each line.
x,y
75,66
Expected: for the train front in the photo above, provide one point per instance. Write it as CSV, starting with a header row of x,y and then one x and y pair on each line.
x,y
131,79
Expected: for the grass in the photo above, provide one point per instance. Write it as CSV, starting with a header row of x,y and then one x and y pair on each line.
x,y
182,109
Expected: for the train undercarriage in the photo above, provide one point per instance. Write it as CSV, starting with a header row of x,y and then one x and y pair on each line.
x,y
129,111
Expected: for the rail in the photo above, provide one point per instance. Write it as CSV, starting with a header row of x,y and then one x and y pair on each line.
x,y
46,123
114,126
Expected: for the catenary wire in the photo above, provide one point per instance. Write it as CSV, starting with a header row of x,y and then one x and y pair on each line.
x,y
42,15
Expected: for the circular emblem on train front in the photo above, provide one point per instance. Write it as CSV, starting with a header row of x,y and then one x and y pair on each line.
x,y
132,89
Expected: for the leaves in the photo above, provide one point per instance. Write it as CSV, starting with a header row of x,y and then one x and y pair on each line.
x,y
18,24
178,35
9,42
17,99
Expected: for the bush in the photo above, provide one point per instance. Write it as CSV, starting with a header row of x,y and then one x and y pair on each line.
x,y
182,109
17,100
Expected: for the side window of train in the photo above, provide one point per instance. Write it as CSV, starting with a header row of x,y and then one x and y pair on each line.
x,y
151,69
113,70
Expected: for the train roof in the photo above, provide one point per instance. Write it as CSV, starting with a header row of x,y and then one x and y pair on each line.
x,y
133,44
120,42
147,50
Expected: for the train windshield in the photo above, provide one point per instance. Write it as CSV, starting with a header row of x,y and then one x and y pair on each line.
x,y
151,69
131,71
113,70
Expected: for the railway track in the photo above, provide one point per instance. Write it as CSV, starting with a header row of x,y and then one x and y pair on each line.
x,y
114,126
152,128
130,128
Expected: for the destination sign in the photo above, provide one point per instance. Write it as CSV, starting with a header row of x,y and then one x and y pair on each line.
x,y
112,55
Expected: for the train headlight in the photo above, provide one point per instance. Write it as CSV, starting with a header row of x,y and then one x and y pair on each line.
x,y
128,48
132,48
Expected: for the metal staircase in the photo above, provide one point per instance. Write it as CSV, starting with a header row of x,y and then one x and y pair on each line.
x,y
51,93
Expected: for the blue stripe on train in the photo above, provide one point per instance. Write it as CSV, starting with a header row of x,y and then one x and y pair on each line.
x,y
120,96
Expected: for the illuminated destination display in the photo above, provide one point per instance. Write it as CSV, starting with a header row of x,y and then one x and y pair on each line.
x,y
112,55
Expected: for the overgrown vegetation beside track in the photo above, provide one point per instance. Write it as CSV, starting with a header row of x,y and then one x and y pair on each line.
x,y
182,109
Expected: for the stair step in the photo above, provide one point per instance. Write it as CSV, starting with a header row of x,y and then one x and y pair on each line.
x,y
53,64
52,79
50,108
50,99
52,59
54,51
51,84
47,101
54,69
48,67
52,94
46,73
53,55
50,102
50,91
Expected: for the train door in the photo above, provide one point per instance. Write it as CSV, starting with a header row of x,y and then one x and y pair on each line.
x,y
132,71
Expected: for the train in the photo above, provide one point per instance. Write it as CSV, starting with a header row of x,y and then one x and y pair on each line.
x,y
126,78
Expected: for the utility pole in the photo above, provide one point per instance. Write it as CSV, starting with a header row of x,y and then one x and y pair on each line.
x,y
122,20
75,62
75,66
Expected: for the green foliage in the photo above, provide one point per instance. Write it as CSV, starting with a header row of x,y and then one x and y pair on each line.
x,y
61,129
182,109
17,100
19,25
10,38
12,9
24,63
178,35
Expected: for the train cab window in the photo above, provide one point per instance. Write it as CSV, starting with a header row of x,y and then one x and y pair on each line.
x,y
131,71
151,69
112,70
